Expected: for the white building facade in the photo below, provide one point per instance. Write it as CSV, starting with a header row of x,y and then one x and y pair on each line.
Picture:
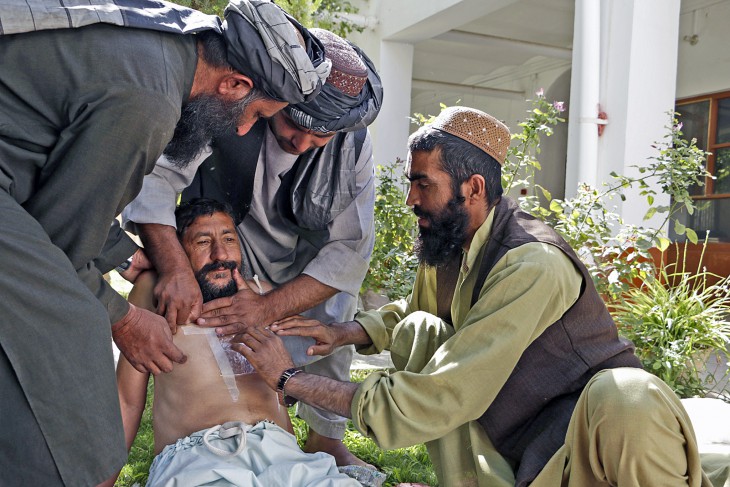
x,y
634,60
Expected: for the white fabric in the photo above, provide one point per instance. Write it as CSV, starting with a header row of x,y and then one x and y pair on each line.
x,y
711,422
270,457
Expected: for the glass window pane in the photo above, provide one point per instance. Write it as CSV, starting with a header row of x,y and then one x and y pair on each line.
x,y
723,121
710,215
695,118
722,171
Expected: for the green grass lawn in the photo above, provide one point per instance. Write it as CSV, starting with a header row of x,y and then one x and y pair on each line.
x,y
403,465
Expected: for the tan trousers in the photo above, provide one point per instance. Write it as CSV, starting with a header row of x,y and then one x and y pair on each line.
x,y
629,429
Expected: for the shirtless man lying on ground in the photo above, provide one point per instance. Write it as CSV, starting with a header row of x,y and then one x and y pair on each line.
x,y
213,417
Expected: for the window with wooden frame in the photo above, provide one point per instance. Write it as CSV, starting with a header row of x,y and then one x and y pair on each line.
x,y
707,119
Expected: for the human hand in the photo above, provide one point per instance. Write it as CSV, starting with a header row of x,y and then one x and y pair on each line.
x,y
325,336
146,341
178,297
265,351
235,314
138,264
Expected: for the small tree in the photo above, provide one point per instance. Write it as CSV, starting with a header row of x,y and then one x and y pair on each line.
x,y
393,264
310,13
615,253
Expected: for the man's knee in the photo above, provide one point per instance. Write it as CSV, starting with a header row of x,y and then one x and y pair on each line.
x,y
629,396
416,338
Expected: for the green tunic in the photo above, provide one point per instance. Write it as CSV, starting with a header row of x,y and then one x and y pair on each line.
x,y
449,376
84,114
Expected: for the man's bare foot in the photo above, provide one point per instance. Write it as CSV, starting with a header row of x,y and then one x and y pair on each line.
x,y
333,446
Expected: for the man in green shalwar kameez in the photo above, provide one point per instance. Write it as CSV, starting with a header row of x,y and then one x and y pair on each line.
x,y
508,365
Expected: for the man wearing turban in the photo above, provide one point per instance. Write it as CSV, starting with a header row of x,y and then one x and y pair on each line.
x,y
91,94
302,188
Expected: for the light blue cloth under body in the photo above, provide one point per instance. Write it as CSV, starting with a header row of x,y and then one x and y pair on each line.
x,y
235,454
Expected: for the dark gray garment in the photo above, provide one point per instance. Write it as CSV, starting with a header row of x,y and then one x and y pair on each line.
x,y
84,114
260,41
18,16
262,46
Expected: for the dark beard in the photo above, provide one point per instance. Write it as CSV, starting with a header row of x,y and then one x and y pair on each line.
x,y
211,291
445,237
203,118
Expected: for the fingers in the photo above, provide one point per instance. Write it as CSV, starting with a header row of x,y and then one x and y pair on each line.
x,y
260,334
240,282
299,331
195,311
291,318
241,348
175,354
171,317
250,342
253,337
182,313
142,369
215,320
213,307
294,322
164,366
319,349
230,329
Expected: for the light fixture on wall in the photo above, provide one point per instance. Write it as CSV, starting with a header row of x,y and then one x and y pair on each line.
x,y
693,39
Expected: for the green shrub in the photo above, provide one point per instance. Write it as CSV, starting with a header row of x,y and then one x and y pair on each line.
x,y
393,264
673,318
310,13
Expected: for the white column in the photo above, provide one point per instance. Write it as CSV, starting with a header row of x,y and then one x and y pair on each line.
x,y
584,96
639,59
390,133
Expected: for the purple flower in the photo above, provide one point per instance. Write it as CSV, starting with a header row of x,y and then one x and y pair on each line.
x,y
559,106
678,127
540,93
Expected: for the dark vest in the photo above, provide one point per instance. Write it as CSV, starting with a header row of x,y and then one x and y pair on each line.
x,y
228,176
529,417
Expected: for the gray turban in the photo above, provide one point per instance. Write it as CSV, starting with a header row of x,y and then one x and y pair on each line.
x,y
263,44
350,99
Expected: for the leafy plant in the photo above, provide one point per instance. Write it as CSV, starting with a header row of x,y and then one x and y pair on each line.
x,y
616,254
325,14
393,264
673,318
521,164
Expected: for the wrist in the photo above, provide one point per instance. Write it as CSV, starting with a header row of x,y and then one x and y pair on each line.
x,y
124,266
132,316
285,400
352,333
268,309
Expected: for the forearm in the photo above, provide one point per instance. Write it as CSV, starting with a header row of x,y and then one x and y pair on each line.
x,y
300,294
163,248
322,392
132,389
351,333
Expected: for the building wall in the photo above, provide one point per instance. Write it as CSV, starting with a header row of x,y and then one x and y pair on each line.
x,y
705,66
